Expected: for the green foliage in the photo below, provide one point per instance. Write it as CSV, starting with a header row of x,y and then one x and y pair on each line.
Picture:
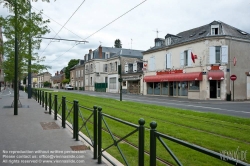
x,y
34,27
65,81
24,80
71,64
46,84
118,43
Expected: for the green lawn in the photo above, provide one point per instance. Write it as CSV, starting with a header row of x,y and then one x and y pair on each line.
x,y
213,131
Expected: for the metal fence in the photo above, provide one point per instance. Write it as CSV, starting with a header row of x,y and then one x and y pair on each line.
x,y
72,112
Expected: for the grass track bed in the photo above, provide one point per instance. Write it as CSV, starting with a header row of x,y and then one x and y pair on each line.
x,y
212,131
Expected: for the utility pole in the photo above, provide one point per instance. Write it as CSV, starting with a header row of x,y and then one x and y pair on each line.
x,y
16,65
120,80
29,63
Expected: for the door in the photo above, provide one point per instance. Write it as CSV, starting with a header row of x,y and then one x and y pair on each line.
x,y
213,89
171,92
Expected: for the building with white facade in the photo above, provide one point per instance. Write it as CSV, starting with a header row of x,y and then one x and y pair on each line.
x,y
198,63
101,66
43,77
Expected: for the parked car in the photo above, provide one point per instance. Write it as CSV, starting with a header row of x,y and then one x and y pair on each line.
x,y
69,87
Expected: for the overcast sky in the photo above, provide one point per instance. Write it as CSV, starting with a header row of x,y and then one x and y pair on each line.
x,y
140,24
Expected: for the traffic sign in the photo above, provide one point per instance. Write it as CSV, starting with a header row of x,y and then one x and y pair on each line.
x,y
233,77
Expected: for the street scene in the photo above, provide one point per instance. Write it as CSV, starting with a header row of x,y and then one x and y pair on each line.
x,y
124,82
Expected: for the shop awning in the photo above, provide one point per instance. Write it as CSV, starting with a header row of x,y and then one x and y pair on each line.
x,y
174,77
215,75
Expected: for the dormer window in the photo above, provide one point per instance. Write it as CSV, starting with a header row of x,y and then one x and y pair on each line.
x,y
158,43
214,29
168,41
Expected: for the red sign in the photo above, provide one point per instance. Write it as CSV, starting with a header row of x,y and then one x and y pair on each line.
x,y
234,61
233,77
169,72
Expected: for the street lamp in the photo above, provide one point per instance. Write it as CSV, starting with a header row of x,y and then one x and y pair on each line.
x,y
16,65
29,60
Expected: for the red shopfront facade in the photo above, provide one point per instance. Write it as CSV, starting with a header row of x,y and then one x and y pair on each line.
x,y
173,83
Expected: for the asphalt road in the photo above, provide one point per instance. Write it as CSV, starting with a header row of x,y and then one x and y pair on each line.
x,y
232,108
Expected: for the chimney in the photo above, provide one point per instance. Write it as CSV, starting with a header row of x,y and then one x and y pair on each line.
x,y
100,52
57,73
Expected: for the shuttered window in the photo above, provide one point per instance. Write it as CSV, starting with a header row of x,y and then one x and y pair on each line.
x,y
168,61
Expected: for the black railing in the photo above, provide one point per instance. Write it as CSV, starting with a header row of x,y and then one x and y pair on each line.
x,y
154,135
72,111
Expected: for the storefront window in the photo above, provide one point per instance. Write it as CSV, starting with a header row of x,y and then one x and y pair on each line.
x,y
157,88
164,88
150,88
182,88
194,85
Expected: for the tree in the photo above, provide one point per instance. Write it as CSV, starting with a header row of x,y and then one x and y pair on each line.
x,y
118,43
46,84
24,80
33,26
65,81
71,64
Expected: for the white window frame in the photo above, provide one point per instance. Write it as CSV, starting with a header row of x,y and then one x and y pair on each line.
x,y
213,27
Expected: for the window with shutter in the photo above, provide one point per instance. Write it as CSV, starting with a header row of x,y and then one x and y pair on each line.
x,y
212,55
189,61
152,64
168,61
126,68
182,58
135,67
224,54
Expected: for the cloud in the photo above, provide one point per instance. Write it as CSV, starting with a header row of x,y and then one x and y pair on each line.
x,y
140,24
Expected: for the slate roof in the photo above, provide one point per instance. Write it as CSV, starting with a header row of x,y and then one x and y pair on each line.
x,y
117,52
204,31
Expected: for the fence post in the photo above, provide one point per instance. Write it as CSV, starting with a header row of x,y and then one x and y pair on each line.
x,y
152,152
55,108
40,97
50,103
43,99
63,111
141,142
95,132
99,135
36,94
76,109
46,101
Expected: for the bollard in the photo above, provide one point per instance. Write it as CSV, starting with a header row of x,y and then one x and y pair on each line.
x,y
63,111
55,107
36,94
75,128
49,103
95,132
141,142
99,135
152,152
46,101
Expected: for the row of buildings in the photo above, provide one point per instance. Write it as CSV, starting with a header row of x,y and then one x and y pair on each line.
x,y
196,64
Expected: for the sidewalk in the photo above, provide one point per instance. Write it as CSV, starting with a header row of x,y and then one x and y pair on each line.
x,y
34,138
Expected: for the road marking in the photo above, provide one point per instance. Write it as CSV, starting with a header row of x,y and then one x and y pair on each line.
x,y
194,106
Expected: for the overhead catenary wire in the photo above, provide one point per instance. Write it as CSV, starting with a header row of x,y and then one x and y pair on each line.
x,y
59,24
103,27
64,24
